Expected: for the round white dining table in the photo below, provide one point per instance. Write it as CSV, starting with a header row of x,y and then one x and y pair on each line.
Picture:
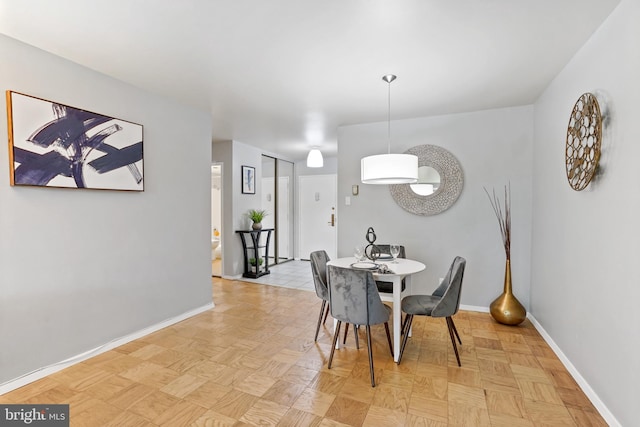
x,y
402,270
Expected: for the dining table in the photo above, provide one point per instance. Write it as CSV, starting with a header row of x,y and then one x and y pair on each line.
x,y
403,269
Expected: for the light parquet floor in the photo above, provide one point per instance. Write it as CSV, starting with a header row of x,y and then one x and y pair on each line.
x,y
252,361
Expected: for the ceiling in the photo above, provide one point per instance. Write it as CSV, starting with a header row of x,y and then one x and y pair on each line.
x,y
283,75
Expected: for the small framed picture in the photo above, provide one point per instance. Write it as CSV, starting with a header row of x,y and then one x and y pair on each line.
x,y
248,180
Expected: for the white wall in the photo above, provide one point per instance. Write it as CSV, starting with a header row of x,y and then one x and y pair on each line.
x,y
79,268
585,289
493,147
330,166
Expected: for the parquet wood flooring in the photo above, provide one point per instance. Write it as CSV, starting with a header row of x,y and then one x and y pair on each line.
x,y
252,361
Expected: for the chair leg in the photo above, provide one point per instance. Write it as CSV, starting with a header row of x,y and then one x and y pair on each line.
x,y
455,330
453,340
403,324
326,313
406,328
386,328
320,319
373,379
355,332
334,342
346,331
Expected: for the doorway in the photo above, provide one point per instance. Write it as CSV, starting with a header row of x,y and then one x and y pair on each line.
x,y
216,220
277,200
318,220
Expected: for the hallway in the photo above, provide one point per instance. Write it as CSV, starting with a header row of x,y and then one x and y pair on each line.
x,y
291,274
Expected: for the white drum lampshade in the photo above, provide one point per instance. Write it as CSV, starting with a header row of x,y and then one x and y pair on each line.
x,y
388,169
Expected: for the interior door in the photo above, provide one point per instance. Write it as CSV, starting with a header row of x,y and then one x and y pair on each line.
x,y
278,201
318,216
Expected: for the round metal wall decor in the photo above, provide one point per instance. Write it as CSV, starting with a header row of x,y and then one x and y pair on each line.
x,y
584,139
451,182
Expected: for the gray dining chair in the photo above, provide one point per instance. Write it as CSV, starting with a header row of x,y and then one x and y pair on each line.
x,y
387,287
443,302
354,298
319,261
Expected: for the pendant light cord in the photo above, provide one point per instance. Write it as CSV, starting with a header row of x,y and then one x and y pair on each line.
x,y
389,78
389,119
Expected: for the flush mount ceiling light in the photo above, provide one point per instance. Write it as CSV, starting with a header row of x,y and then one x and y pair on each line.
x,y
314,159
389,168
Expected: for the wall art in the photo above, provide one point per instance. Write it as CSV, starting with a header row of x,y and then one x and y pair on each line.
x,y
584,141
55,145
248,180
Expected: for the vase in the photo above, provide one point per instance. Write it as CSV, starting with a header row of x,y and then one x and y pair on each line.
x,y
256,226
506,309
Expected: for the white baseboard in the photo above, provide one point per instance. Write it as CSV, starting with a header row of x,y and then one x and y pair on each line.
x,y
474,308
584,385
48,370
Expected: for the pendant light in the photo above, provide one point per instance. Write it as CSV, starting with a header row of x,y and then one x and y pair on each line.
x,y
314,159
389,168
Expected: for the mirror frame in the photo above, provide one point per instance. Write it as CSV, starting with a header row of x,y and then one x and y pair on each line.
x,y
451,182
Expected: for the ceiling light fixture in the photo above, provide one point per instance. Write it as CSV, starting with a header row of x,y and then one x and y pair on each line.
x,y
314,159
389,168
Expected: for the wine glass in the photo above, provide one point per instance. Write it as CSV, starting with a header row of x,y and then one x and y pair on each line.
x,y
394,248
358,252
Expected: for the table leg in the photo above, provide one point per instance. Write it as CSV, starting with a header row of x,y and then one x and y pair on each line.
x,y
397,316
409,291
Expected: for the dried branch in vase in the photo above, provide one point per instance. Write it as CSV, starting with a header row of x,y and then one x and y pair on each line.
x,y
503,216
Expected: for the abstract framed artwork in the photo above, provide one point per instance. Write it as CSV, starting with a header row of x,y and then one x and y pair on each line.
x,y
55,145
248,180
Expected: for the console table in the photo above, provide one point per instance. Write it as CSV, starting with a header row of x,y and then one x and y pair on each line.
x,y
256,250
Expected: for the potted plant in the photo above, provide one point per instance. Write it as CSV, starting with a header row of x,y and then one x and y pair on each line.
x,y
256,215
252,261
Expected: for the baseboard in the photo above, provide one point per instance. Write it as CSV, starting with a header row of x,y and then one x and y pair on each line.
x,y
474,308
48,370
584,385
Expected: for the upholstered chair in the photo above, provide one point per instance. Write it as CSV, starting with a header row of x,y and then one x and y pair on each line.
x,y
443,302
319,261
387,287
354,298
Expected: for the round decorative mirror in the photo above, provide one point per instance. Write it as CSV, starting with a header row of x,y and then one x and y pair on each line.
x,y
428,181
439,185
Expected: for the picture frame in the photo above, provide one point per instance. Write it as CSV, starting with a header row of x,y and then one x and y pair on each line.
x,y
56,145
248,180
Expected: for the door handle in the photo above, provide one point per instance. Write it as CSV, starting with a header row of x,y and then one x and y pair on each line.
x,y
333,220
